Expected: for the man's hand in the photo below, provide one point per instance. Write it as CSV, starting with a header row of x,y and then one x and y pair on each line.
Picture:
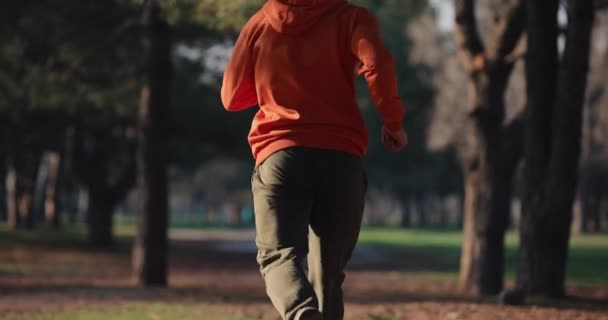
x,y
394,141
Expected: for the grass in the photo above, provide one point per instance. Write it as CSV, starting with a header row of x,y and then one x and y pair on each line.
x,y
133,311
67,237
181,221
588,261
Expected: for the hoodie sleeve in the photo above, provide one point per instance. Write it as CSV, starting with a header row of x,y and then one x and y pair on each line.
x,y
238,87
376,65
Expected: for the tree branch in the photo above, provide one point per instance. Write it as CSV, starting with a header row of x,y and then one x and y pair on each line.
x,y
468,41
508,32
516,55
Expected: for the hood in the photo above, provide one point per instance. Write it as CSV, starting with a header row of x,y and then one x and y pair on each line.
x,y
296,16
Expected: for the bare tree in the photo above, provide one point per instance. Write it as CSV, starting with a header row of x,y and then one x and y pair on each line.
x,y
494,148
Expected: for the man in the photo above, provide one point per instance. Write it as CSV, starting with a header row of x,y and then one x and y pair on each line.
x,y
296,60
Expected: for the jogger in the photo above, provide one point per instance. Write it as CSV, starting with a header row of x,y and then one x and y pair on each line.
x,y
296,59
296,188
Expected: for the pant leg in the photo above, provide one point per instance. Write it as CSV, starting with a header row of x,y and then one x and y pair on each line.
x,y
335,226
283,199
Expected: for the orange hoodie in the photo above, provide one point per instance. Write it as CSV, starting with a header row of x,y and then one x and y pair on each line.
x,y
296,59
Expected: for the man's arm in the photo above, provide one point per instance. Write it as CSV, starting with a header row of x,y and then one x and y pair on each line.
x,y
378,69
238,87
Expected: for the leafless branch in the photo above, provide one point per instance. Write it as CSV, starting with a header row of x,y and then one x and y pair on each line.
x,y
470,46
508,32
515,56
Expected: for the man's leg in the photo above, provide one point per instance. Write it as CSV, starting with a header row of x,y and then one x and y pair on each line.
x,y
283,199
335,226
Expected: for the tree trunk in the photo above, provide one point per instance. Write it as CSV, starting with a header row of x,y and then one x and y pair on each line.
x,y
12,207
100,219
69,188
150,253
423,213
487,207
40,188
51,203
603,214
24,203
541,75
552,160
590,213
26,169
492,233
493,149
443,213
93,153
3,196
406,219
470,246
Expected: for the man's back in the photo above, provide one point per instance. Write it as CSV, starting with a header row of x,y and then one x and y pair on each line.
x,y
296,59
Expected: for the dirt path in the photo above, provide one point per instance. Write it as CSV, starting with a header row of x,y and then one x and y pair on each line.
x,y
218,269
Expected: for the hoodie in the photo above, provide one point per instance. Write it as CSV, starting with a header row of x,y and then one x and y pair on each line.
x,y
297,59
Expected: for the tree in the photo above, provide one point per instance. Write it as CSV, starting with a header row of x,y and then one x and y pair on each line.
x,y
60,61
494,149
45,202
150,255
23,150
104,161
74,61
556,92
593,179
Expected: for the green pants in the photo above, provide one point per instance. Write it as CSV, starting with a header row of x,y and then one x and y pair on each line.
x,y
308,207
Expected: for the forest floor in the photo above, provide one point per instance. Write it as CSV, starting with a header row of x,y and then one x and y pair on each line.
x,y
394,274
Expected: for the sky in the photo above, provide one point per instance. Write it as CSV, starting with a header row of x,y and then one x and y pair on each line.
x,y
445,14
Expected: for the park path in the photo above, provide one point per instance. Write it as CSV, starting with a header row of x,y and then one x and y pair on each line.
x,y
243,242
218,269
